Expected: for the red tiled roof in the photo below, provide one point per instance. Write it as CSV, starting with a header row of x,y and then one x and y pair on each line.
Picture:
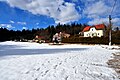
x,y
86,28
100,26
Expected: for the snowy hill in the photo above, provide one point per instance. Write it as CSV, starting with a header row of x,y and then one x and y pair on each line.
x,y
32,61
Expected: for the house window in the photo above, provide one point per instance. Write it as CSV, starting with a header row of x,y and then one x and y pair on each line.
x,y
87,34
98,33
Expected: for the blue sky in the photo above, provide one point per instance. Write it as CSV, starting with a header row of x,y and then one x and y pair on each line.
x,y
28,14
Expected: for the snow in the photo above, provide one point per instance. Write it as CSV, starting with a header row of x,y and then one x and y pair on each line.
x,y
33,61
111,47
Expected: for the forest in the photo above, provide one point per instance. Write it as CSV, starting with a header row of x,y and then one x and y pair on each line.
x,y
48,32
72,29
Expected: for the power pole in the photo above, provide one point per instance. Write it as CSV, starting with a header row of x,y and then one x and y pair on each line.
x,y
110,29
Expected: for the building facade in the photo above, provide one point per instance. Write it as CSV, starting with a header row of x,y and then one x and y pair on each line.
x,y
94,31
58,37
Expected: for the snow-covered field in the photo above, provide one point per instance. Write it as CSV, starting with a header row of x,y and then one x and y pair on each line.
x,y
32,61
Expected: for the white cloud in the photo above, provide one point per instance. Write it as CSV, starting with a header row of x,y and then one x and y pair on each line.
x,y
60,10
8,26
2,25
101,7
12,21
37,23
64,12
22,23
97,10
115,21
67,14
98,21
25,28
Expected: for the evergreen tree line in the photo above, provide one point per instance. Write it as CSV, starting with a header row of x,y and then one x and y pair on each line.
x,y
47,33
95,40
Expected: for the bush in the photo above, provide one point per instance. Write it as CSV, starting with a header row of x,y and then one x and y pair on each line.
x,y
89,40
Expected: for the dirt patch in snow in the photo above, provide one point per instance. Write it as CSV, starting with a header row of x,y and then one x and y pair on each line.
x,y
115,62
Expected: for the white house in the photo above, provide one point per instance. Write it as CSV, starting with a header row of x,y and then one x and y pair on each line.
x,y
58,36
94,31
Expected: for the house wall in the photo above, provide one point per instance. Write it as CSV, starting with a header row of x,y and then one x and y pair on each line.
x,y
93,32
